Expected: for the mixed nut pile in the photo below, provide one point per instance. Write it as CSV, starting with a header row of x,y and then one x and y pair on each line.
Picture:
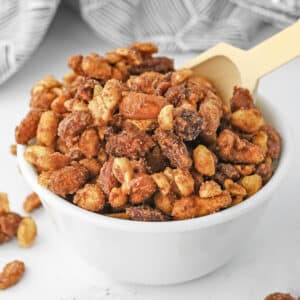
x,y
24,228
127,136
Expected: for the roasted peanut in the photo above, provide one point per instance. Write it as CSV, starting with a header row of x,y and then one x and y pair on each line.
x,y
27,232
234,188
117,197
34,152
90,197
247,120
32,202
11,274
13,149
209,189
204,160
4,204
47,128
165,117
92,165
162,182
251,183
89,143
184,182
164,203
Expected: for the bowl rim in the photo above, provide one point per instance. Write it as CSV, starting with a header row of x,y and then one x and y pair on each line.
x,y
223,216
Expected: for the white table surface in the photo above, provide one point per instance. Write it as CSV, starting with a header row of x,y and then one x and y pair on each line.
x,y
270,263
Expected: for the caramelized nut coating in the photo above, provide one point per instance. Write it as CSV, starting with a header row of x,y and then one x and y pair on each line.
x,y
32,202
142,187
68,180
27,232
234,149
279,296
204,160
28,127
11,274
4,204
90,197
9,223
145,213
173,148
47,128
124,130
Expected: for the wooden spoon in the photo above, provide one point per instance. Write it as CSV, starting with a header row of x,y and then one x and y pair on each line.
x,y
227,66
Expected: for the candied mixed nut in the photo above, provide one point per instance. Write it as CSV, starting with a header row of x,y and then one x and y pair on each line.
x,y
127,136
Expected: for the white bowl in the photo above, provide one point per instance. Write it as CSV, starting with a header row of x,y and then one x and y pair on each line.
x,y
168,252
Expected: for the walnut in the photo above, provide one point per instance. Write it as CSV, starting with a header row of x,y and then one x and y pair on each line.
x,y
241,99
130,144
11,274
73,125
234,149
27,232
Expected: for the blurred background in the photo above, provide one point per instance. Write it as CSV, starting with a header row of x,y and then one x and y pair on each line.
x,y
176,26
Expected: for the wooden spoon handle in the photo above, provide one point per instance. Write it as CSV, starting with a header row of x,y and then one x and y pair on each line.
x,y
275,51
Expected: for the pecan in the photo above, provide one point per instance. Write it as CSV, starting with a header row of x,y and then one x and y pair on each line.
x,y
173,148
131,144
145,213
106,180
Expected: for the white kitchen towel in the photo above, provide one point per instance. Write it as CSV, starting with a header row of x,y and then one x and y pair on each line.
x,y
184,24
23,24
175,25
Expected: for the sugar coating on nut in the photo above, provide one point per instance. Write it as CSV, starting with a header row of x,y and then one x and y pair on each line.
x,y
11,274
127,136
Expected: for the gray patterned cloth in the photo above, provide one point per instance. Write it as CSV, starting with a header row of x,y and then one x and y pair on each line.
x,y
175,25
